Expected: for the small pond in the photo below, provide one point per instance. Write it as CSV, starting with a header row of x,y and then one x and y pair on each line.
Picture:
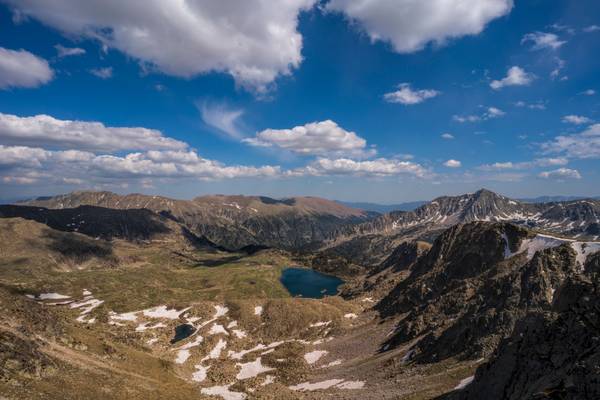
x,y
309,283
183,331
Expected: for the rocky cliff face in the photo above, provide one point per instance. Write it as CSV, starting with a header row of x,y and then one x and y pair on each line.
x,y
553,354
468,292
232,221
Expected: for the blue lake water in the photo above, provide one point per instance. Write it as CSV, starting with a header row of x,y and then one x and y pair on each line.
x,y
309,283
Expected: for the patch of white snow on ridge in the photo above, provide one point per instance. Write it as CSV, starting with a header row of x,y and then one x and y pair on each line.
x,y
200,374
216,351
318,324
144,327
130,316
317,385
217,329
224,392
239,333
163,312
464,383
314,356
220,311
351,385
52,296
252,369
182,356
584,249
350,316
258,310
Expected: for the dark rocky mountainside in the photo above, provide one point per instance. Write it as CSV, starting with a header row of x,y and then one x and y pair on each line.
x,y
552,354
468,292
108,224
231,221
370,242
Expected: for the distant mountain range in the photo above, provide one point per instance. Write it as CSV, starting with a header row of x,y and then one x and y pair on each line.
x,y
233,222
383,208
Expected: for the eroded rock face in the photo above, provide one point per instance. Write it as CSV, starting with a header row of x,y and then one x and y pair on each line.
x,y
468,292
551,354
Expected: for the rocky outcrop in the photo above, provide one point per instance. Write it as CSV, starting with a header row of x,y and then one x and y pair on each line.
x,y
468,292
552,354
578,218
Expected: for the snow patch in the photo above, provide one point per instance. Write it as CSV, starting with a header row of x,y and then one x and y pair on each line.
x,y
350,316
258,310
217,329
252,369
163,312
317,385
464,383
314,356
224,392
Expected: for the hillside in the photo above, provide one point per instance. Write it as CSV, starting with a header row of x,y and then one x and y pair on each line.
x,y
231,221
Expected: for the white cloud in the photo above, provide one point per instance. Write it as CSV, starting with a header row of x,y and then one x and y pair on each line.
x,y
20,68
533,106
583,145
516,76
89,167
44,130
493,112
345,166
409,25
576,119
222,118
466,118
447,136
102,73
589,92
68,51
405,95
591,28
560,65
315,138
543,40
254,41
453,164
560,174
490,113
539,162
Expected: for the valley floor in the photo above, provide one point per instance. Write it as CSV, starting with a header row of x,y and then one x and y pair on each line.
x,y
103,327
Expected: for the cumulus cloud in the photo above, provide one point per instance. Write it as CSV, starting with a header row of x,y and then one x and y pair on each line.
x,y
102,73
543,40
315,138
591,28
533,106
561,174
539,162
576,119
516,76
222,118
44,130
489,113
410,25
447,136
405,95
254,41
589,92
453,164
582,145
20,68
377,167
68,51
19,161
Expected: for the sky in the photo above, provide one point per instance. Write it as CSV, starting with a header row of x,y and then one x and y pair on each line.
x,y
359,100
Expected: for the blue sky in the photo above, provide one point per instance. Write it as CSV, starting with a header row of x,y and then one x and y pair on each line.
x,y
369,100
